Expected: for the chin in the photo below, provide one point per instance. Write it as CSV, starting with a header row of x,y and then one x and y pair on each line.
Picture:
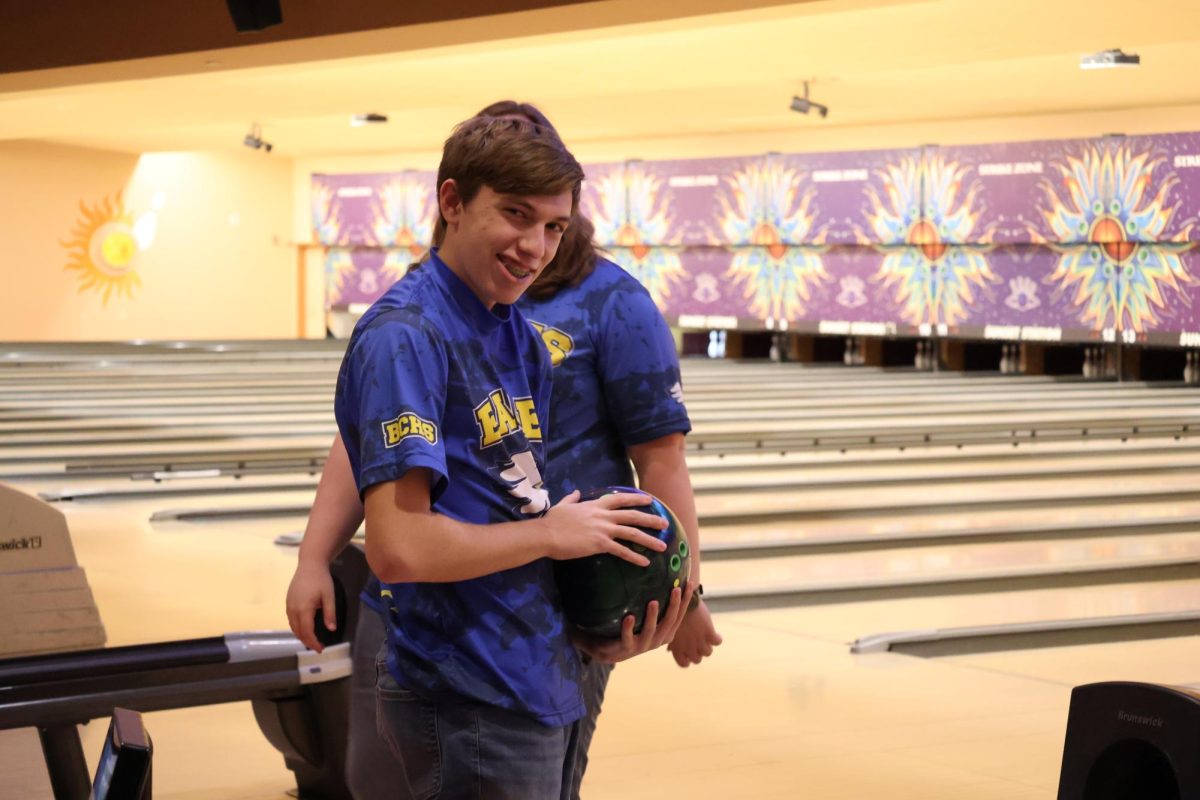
x,y
510,297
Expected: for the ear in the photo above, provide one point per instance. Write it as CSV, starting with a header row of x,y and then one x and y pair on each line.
x,y
450,202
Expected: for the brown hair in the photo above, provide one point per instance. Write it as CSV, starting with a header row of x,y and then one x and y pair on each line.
x,y
577,253
510,156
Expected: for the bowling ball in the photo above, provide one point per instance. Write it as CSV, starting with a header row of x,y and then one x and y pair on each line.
x,y
599,591
327,637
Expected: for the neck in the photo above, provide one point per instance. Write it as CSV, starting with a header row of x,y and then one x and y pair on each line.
x,y
451,258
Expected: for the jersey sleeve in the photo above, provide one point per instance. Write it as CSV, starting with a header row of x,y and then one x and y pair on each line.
x,y
390,403
639,369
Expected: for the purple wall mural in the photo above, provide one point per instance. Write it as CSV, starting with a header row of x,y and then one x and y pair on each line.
x,y
1079,239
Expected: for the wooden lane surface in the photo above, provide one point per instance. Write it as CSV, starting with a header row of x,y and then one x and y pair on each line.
x,y
110,412
1086,464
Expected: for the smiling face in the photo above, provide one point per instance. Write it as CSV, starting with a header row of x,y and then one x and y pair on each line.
x,y
498,243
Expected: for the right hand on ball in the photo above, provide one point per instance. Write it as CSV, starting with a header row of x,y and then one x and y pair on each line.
x,y
654,634
601,525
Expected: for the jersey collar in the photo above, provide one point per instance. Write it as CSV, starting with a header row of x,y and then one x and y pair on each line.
x,y
474,311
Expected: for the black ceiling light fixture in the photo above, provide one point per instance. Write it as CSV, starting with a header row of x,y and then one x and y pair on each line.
x,y
254,140
803,105
254,15
371,118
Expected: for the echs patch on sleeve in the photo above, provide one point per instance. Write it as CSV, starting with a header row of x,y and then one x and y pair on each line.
x,y
406,426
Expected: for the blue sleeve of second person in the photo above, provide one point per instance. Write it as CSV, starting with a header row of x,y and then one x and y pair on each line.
x,y
640,369
390,404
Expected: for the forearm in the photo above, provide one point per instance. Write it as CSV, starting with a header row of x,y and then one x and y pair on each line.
x,y
662,471
336,512
407,544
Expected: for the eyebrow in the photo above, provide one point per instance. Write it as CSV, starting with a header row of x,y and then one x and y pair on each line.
x,y
525,204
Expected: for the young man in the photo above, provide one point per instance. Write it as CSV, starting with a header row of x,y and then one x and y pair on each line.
x,y
441,402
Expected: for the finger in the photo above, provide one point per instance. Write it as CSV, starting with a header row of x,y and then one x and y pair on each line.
x,y
305,633
639,519
681,660
625,554
628,640
670,622
647,638
330,608
624,500
573,497
639,537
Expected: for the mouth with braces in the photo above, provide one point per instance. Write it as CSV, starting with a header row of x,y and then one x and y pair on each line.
x,y
514,270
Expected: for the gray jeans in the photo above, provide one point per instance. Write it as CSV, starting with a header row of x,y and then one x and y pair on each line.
x,y
376,773
464,750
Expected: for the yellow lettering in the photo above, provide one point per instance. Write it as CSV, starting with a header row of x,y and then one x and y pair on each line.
x,y
406,425
392,431
489,427
504,413
558,343
530,423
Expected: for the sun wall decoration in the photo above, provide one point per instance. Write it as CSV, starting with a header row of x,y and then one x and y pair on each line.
x,y
763,217
403,220
327,230
1108,199
103,248
632,218
925,206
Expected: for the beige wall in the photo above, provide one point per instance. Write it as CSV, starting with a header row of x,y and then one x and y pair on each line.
x,y
221,263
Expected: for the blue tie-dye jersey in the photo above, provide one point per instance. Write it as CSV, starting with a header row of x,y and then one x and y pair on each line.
x,y
433,379
616,378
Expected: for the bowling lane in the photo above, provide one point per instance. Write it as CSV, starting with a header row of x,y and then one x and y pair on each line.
x,y
736,510
845,622
117,490
37,394
100,426
834,409
159,585
71,461
899,424
958,496
888,567
731,508
136,406
917,524
94,416
965,469
226,430
31,411
960,468
1165,661
700,462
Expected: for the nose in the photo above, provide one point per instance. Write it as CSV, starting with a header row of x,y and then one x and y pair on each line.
x,y
532,244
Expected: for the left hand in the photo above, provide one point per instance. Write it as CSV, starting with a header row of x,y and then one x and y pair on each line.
x,y
655,633
695,638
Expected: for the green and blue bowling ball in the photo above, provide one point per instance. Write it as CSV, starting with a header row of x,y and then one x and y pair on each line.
x,y
599,591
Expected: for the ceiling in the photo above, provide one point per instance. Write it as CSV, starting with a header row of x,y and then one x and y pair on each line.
x,y
622,70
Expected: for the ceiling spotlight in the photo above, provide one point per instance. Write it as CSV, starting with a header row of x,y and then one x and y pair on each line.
x,y
1109,59
359,120
254,140
804,105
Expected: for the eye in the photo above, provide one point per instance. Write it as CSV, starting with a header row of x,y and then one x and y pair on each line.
x,y
516,212
557,227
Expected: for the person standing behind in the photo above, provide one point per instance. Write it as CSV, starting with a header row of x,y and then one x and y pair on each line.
x,y
596,318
